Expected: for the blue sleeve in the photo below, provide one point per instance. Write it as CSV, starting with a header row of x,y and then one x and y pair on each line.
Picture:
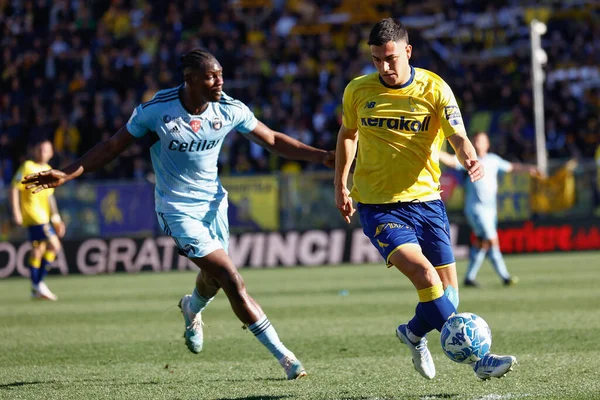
x,y
244,120
459,166
139,124
503,165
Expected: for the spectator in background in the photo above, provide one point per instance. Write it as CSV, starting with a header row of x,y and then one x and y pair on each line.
x,y
61,56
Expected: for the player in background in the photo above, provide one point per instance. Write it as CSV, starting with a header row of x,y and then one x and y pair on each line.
x,y
187,125
481,208
39,214
398,118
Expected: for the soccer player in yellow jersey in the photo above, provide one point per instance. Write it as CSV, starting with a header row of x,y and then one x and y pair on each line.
x,y
398,118
39,214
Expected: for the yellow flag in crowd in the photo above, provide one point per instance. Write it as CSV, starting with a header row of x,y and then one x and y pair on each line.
x,y
555,193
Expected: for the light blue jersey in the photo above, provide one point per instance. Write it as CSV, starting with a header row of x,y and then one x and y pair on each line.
x,y
187,148
481,197
484,191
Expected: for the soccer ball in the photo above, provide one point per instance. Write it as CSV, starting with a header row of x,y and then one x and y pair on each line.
x,y
466,338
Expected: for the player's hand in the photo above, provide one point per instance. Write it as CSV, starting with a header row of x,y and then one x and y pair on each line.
x,y
343,202
474,169
329,159
60,228
44,180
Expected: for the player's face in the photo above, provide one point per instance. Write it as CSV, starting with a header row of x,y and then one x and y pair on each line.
x,y
391,61
44,152
207,84
482,144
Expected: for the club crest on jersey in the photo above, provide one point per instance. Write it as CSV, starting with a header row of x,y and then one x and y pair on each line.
x,y
217,123
195,124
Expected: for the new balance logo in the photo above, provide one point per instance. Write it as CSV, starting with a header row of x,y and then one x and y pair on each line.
x,y
401,124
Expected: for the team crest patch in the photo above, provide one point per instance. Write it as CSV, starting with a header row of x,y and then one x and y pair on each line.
x,y
195,124
452,114
217,123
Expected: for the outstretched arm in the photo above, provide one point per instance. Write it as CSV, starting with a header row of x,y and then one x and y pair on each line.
x,y
448,160
97,157
466,155
345,152
288,147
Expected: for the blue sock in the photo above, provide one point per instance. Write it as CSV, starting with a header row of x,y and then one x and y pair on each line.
x,y
44,269
199,302
266,334
452,294
432,311
436,312
476,257
35,270
498,262
35,275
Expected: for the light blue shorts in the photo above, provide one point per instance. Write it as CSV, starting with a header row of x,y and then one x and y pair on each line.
x,y
483,221
197,236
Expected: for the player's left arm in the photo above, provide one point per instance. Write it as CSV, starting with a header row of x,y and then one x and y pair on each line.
x,y
521,167
454,130
55,219
465,152
288,147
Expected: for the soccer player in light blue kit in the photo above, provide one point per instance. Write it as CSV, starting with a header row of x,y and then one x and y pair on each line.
x,y
481,208
188,125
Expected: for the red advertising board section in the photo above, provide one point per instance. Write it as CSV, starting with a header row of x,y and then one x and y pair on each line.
x,y
287,249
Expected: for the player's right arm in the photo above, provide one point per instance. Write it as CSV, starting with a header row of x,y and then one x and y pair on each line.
x,y
14,200
139,124
15,208
97,157
345,151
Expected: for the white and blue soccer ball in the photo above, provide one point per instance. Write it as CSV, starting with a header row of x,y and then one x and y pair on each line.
x,y
466,338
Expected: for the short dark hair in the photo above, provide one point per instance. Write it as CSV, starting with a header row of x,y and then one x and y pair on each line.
x,y
196,59
387,30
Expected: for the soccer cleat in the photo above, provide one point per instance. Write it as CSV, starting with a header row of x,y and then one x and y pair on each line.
x,y
421,357
513,280
493,366
293,367
471,283
41,291
193,334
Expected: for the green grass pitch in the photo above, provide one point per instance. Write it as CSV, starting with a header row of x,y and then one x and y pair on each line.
x,y
120,336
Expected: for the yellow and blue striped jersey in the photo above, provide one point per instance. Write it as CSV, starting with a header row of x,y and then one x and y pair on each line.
x,y
400,133
34,207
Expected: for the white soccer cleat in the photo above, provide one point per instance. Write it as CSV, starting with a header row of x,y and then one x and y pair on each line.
x,y
41,291
493,366
421,357
293,367
194,337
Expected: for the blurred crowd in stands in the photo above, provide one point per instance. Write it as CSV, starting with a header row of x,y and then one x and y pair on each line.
x,y
74,70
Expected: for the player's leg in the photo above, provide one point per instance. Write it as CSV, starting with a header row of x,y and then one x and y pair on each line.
x,y
34,263
38,235
437,247
391,230
495,256
205,242
477,251
48,257
219,266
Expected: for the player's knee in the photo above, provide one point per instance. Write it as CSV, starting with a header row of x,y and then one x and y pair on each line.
x,y
486,244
